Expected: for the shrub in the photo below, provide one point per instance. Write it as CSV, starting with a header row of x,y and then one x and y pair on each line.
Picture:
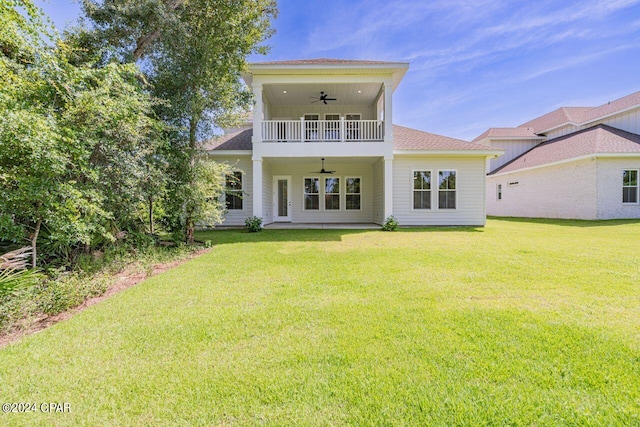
x,y
253,224
56,296
390,224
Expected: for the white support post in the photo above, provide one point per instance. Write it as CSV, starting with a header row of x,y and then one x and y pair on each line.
x,y
257,112
388,187
342,129
257,188
388,114
303,133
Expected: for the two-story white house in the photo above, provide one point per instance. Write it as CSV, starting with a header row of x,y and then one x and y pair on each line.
x,y
574,163
321,148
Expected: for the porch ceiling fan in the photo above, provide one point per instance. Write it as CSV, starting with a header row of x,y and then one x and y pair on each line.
x,y
323,97
323,170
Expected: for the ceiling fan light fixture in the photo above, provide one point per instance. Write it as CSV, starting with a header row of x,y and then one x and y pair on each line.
x,y
324,97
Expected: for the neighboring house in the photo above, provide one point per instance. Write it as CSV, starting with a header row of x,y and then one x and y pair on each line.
x,y
575,162
341,111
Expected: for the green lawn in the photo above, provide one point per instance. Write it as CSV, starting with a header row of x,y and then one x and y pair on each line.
x,y
518,323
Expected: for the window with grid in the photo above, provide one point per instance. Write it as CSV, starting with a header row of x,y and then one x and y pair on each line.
x,y
312,194
630,186
421,189
233,192
353,194
446,190
331,194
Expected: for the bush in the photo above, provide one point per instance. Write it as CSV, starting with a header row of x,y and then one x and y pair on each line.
x,y
390,224
55,296
253,224
17,310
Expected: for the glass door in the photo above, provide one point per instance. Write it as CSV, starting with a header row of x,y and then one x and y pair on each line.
x,y
282,198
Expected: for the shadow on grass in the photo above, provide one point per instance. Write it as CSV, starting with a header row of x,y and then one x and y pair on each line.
x,y
227,236
567,222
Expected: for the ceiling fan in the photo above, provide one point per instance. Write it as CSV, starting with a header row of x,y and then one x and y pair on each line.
x,y
323,97
323,170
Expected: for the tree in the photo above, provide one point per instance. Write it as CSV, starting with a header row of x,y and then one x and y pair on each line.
x,y
74,138
192,54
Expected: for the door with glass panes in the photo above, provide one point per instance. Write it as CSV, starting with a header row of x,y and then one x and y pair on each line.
x,y
282,198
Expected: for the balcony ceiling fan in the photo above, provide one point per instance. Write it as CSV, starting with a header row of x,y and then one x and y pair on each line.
x,y
323,170
323,97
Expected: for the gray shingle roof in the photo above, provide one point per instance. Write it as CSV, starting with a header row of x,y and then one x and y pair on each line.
x,y
521,132
565,115
240,140
599,139
581,115
413,139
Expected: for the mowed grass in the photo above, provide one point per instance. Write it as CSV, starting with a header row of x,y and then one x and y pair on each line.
x,y
518,323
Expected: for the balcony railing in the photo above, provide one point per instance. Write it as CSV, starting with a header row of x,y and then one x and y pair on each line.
x,y
322,130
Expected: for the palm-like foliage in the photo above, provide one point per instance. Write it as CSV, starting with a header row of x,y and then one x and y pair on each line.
x,y
13,271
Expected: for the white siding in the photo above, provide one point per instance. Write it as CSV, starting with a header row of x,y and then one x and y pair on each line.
x,y
629,121
294,112
512,149
567,190
470,189
299,169
610,204
561,131
244,164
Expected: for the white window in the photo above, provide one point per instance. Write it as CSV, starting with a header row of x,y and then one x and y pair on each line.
x,y
630,186
332,194
311,194
446,189
421,189
499,191
353,194
233,192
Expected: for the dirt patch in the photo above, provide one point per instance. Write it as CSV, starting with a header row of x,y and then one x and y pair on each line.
x,y
124,280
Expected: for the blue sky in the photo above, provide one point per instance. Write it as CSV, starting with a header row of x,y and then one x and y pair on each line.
x,y
474,64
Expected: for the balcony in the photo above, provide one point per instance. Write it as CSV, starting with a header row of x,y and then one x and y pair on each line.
x,y
322,130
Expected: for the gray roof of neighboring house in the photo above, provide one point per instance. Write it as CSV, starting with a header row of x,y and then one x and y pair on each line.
x,y
599,139
563,116
523,132
582,115
557,118
404,139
